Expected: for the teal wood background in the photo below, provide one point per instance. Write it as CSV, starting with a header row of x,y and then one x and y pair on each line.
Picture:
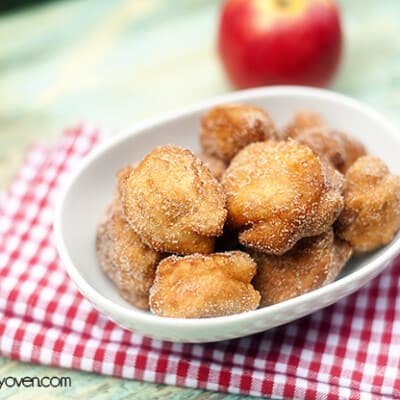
x,y
117,62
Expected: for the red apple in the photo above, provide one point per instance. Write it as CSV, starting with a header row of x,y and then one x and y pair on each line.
x,y
269,42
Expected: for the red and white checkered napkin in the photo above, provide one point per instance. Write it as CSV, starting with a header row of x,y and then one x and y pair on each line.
x,y
349,350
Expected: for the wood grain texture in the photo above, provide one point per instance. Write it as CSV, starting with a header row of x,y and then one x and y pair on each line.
x,y
116,63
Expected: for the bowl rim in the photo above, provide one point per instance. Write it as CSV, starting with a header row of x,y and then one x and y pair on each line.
x,y
130,312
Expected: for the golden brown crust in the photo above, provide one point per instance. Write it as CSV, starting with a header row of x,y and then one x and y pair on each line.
x,y
122,176
216,166
371,215
227,129
312,263
174,203
303,120
128,262
280,192
336,147
353,150
200,286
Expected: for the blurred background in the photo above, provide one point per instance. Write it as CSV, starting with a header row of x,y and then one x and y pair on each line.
x,y
115,63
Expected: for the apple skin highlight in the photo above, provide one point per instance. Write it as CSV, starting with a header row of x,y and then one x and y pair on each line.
x,y
259,47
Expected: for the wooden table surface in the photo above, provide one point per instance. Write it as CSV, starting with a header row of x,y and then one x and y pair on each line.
x,y
118,62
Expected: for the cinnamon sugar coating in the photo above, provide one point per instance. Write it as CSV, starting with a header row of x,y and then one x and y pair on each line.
x,y
128,262
371,215
310,264
173,202
334,146
199,286
280,192
303,120
226,129
122,176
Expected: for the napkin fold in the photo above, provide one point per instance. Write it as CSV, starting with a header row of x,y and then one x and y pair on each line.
x,y
348,350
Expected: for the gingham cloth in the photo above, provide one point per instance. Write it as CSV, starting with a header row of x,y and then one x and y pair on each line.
x,y
349,350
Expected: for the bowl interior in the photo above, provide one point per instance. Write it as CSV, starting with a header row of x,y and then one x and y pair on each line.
x,y
93,186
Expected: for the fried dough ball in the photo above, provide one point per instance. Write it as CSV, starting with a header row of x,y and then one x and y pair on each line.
x,y
371,215
216,166
304,120
353,150
199,286
173,202
227,129
335,147
310,264
280,192
122,175
128,262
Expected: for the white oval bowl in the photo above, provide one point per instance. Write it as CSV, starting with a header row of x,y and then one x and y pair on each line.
x,y
92,185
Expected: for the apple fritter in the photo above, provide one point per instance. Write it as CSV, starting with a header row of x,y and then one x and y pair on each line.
x,y
310,264
173,202
200,286
227,129
122,175
280,192
304,120
334,146
371,215
128,262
